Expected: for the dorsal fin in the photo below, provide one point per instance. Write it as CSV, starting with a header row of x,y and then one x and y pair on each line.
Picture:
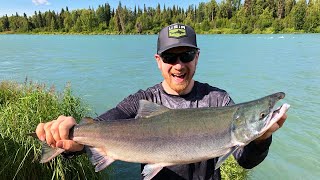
x,y
148,109
86,120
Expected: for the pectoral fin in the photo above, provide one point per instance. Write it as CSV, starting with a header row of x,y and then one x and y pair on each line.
x,y
224,157
150,170
98,158
49,153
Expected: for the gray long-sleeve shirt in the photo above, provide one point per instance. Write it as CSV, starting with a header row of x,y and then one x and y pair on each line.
x,y
202,95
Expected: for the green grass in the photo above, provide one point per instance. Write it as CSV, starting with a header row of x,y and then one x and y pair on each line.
x,y
22,107
231,170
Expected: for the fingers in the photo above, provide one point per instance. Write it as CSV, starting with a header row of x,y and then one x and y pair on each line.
x,y
48,136
278,124
273,128
56,130
282,120
69,145
65,126
40,132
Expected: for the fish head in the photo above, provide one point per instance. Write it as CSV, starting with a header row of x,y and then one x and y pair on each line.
x,y
253,118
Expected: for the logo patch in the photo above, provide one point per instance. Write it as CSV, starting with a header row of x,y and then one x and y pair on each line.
x,y
177,31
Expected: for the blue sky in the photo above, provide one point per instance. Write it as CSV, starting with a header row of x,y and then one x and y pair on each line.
x,y
10,7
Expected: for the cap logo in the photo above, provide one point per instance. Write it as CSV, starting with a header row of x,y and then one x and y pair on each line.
x,y
177,31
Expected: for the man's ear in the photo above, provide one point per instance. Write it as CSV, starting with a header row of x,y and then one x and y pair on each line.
x,y
197,58
158,59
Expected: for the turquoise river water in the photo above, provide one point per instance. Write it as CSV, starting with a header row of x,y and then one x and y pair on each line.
x,y
103,70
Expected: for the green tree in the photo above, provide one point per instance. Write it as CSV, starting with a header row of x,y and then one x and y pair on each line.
x,y
225,10
281,9
298,14
259,7
289,4
77,26
53,24
14,23
88,20
200,15
312,18
101,14
265,19
108,13
240,18
5,23
26,24
41,20
68,23
212,9
277,25
61,18
119,19
205,25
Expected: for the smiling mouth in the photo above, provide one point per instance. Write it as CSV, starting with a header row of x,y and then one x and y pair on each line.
x,y
179,75
179,78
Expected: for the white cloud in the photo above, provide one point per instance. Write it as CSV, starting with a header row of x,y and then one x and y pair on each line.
x,y
41,2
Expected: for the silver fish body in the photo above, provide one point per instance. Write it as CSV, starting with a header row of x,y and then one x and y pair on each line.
x,y
161,137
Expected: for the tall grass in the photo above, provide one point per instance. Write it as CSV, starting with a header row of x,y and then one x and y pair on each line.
x,y
22,107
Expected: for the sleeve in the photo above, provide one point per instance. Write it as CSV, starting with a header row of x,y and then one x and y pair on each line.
x,y
252,154
126,109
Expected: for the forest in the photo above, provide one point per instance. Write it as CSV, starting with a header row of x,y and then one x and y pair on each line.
x,y
225,17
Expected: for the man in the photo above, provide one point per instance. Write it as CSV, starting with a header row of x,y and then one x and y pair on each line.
x,y
177,58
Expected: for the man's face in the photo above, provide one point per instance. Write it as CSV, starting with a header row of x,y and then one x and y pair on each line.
x,y
177,72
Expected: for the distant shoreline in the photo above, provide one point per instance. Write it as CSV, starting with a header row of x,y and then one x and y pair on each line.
x,y
212,31
225,17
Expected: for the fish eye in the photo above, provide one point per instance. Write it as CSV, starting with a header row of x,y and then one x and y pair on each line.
x,y
262,115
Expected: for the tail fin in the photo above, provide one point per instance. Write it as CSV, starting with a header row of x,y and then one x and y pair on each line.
x,y
47,152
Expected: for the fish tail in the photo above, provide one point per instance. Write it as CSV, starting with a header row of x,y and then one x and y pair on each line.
x,y
47,152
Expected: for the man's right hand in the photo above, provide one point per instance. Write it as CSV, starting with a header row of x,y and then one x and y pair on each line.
x,y
56,133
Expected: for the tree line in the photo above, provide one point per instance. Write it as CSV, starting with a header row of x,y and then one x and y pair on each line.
x,y
228,16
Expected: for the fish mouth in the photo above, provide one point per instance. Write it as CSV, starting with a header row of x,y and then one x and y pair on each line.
x,y
274,116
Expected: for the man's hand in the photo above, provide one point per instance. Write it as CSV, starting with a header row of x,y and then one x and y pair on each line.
x,y
56,133
272,129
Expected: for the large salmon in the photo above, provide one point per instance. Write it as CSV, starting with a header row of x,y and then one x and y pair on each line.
x,y
162,137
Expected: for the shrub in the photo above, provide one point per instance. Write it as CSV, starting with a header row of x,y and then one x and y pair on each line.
x,y
231,170
22,107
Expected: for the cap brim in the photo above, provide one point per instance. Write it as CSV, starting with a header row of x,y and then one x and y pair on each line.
x,y
177,45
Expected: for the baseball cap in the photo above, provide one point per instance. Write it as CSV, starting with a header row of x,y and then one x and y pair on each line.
x,y
176,35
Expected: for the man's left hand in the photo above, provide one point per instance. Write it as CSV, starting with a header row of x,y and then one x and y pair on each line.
x,y
272,129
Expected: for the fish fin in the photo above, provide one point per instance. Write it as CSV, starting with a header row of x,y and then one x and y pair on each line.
x,y
224,157
97,158
150,170
86,120
49,153
148,109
